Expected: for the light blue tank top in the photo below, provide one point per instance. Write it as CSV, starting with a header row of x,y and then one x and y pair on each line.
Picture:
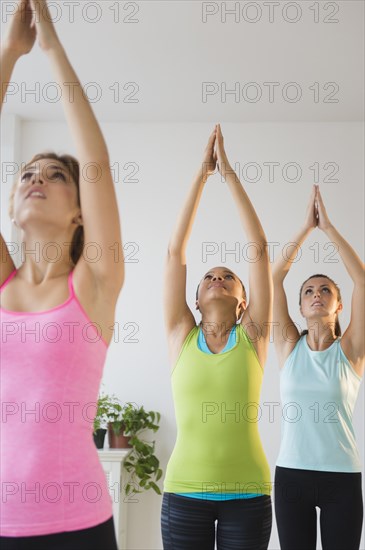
x,y
318,394
202,345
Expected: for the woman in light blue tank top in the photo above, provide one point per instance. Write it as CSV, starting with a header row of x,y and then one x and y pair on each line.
x,y
318,463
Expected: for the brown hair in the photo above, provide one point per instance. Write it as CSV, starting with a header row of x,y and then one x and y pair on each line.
x,y
73,167
338,330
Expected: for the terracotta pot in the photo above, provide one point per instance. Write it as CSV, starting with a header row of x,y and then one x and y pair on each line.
x,y
117,441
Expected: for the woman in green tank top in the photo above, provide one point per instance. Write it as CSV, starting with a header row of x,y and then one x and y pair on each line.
x,y
218,473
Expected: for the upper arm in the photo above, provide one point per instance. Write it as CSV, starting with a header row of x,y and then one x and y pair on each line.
x,y
353,342
257,316
7,264
286,333
179,319
261,293
102,231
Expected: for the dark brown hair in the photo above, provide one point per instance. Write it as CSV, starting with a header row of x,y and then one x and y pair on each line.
x,y
73,167
338,330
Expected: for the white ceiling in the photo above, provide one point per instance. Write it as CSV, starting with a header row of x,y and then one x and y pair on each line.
x,y
169,53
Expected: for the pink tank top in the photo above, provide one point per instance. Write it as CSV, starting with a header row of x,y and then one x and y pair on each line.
x,y
51,367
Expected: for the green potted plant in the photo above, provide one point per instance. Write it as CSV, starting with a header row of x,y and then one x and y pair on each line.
x,y
142,464
125,423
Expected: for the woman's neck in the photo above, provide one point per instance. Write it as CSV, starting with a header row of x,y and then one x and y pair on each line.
x,y
216,328
45,258
321,334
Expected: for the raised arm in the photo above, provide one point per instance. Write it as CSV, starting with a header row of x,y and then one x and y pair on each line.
x,y
257,315
352,342
18,41
179,319
286,333
97,194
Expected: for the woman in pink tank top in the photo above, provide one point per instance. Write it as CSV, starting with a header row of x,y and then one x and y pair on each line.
x,y
56,314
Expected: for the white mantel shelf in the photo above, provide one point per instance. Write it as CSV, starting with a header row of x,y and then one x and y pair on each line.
x,y
112,462
113,455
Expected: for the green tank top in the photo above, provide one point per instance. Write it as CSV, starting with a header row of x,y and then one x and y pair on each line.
x,y
216,397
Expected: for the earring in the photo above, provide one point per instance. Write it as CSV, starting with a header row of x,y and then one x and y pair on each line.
x,y
14,222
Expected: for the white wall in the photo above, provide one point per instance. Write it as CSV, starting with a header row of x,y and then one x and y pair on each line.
x,y
168,155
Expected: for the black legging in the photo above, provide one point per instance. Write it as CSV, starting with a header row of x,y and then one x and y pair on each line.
x,y
189,523
100,537
338,495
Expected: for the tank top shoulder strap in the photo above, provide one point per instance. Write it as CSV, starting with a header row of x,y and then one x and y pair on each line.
x,y
243,334
8,279
298,348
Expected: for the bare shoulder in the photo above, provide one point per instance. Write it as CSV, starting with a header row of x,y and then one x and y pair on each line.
x,y
98,299
86,284
284,349
355,358
5,272
258,335
177,337
7,265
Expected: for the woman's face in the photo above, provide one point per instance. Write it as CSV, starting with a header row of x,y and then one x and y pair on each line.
x,y
46,192
319,298
219,284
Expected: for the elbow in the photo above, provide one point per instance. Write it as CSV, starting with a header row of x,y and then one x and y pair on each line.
x,y
263,246
121,278
100,160
118,280
261,242
103,162
278,277
174,251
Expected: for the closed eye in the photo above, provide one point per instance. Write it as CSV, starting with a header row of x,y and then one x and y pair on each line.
x,y
55,175
26,176
58,175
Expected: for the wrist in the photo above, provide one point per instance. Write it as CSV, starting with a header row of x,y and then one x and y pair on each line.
x,y
9,54
326,228
226,166
54,48
307,229
202,175
278,275
206,171
226,170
